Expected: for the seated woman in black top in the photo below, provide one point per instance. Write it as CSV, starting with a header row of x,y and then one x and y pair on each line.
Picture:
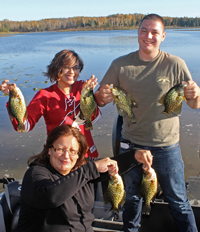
x,y
57,191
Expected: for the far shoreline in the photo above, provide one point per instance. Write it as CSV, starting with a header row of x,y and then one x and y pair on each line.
x,y
7,34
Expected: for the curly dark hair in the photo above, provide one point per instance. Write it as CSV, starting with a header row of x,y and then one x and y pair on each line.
x,y
64,58
63,130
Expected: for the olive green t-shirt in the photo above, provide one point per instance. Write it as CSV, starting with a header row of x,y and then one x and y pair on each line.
x,y
147,82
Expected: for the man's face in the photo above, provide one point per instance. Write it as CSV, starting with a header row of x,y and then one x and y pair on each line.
x,y
150,34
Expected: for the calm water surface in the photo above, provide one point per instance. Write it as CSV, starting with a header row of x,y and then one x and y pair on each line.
x,y
24,57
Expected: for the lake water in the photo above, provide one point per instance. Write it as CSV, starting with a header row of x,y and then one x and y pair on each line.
x,y
24,57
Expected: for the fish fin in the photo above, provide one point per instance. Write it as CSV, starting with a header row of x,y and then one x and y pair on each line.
x,y
11,117
115,209
26,115
178,109
166,114
114,101
81,116
140,195
88,125
161,101
105,198
134,102
132,120
95,112
123,199
159,192
184,99
154,197
106,201
146,209
20,102
121,112
21,128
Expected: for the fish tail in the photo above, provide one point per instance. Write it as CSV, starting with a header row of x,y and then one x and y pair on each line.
x,y
146,209
21,128
166,114
88,125
115,209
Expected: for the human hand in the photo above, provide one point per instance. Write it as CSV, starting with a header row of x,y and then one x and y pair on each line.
x,y
145,157
92,82
192,90
104,95
106,164
4,87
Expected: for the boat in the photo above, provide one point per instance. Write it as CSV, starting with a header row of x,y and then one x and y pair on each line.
x,y
159,220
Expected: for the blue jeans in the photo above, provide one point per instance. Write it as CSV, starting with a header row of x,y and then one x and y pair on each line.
x,y
168,164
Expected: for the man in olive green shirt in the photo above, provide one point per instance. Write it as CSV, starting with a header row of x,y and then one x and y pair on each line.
x,y
147,74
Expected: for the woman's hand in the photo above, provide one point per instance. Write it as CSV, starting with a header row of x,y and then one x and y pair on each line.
x,y
91,82
106,164
145,157
4,87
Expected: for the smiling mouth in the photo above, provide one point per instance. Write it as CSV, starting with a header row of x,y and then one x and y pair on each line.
x,y
70,78
65,162
147,42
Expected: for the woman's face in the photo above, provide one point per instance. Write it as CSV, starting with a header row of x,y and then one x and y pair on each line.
x,y
69,75
63,154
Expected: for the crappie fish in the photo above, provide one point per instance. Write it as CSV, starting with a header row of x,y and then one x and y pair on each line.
x,y
88,105
148,189
115,193
124,102
17,107
172,100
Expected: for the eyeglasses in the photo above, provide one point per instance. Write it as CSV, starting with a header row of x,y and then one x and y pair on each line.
x,y
75,68
62,151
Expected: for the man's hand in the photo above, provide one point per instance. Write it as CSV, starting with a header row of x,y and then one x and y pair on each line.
x,y
103,95
145,157
192,94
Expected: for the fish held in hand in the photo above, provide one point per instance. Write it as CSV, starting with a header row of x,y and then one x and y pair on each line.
x,y
17,107
148,189
125,102
88,105
115,193
172,100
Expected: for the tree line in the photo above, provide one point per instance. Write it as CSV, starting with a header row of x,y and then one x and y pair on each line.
x,y
111,22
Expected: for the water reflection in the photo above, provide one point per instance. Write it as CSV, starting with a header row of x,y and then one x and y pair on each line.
x,y
24,58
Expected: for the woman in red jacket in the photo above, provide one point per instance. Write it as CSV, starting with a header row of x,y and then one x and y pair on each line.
x,y
60,103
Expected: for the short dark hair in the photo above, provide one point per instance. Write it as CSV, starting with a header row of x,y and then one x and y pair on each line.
x,y
154,17
64,58
63,130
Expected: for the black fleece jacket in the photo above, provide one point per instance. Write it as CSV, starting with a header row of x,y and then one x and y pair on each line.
x,y
51,202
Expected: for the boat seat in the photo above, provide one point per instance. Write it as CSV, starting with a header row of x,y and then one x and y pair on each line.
x,y
116,134
9,203
15,218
